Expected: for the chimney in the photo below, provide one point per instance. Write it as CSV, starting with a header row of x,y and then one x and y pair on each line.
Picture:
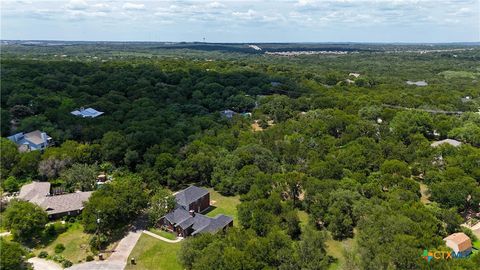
x,y
192,213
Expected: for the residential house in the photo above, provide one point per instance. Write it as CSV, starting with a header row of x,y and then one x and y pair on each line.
x,y
453,143
87,113
35,140
356,75
56,206
460,243
186,219
419,83
228,113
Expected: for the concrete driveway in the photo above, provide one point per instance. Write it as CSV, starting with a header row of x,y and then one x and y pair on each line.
x,y
42,264
118,259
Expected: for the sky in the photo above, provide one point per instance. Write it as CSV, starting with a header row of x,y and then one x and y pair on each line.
x,y
243,21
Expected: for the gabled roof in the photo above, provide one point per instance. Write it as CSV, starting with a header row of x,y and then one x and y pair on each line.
x,y
198,222
212,225
461,240
38,193
36,137
454,143
65,203
34,189
190,195
178,215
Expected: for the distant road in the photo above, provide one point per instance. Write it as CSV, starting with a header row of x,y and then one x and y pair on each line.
x,y
422,110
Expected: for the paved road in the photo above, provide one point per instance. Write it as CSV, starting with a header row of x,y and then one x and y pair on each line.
x,y
5,234
42,264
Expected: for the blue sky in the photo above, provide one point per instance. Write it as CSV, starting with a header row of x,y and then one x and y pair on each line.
x,y
243,21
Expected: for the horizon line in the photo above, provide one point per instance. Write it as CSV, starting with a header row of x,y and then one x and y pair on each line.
x,y
252,42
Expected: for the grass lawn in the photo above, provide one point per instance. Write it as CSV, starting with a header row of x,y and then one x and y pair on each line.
x,y
224,205
163,233
335,249
76,244
151,253
476,244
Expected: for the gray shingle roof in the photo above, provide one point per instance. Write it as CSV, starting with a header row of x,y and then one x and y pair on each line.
x,y
65,203
38,193
190,195
177,216
213,224
34,189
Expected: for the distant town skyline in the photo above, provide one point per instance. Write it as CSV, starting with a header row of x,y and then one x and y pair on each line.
x,y
409,21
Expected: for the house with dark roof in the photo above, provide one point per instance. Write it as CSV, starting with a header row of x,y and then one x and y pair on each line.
x,y
186,219
35,140
86,113
56,206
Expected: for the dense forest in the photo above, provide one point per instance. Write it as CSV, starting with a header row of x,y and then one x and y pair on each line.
x,y
351,151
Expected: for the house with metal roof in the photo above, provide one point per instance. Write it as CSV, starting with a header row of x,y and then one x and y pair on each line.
x,y
35,140
451,142
86,113
186,219
56,206
228,113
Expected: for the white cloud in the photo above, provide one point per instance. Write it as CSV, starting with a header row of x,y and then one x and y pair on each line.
x,y
215,5
77,5
248,15
102,7
133,6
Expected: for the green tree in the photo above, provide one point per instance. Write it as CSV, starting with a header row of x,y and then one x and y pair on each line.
x,y
12,255
25,220
80,177
113,147
11,184
311,250
114,205
406,123
160,204
9,156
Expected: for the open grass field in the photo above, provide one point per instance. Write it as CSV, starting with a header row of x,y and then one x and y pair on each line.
x,y
163,233
151,253
224,205
76,244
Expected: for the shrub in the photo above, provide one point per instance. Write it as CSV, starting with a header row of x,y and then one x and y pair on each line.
x,y
43,254
58,258
59,248
89,258
50,230
66,263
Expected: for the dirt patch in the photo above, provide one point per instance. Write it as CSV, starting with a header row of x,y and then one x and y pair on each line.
x,y
256,127
425,199
213,202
